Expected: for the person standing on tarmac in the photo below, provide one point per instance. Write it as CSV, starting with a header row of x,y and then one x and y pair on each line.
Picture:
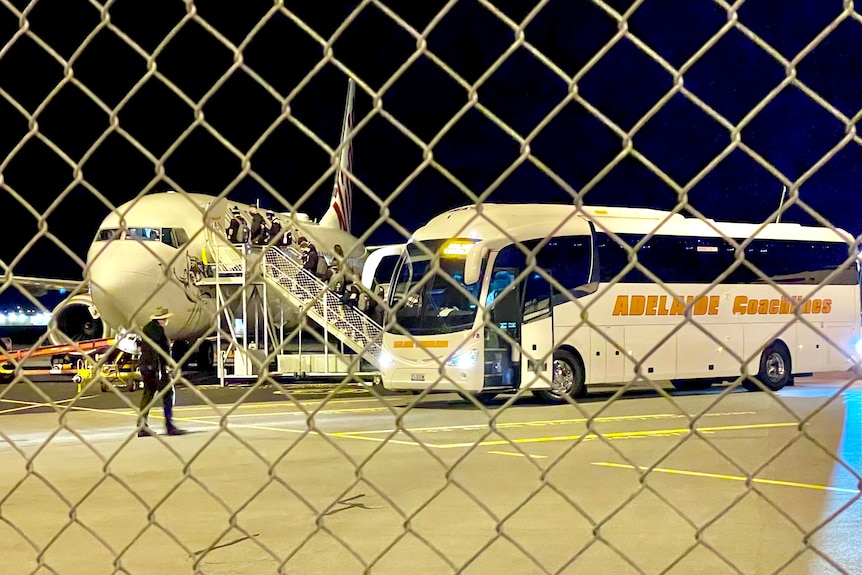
x,y
155,371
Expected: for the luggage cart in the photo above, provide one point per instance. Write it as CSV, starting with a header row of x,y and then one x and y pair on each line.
x,y
119,367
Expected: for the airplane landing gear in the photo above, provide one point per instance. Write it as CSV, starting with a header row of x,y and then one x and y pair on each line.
x,y
203,356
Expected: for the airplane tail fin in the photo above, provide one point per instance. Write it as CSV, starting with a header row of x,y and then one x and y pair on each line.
x,y
341,205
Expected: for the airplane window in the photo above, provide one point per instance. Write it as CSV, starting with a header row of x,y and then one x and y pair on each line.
x,y
144,234
181,236
107,234
174,237
168,237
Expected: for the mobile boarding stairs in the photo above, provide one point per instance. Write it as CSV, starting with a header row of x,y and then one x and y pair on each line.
x,y
283,274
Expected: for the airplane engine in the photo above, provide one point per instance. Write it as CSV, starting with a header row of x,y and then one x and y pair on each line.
x,y
78,319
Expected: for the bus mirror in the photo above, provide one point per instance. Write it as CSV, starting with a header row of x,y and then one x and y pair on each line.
x,y
473,264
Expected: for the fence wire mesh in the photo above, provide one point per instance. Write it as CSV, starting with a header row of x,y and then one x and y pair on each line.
x,y
280,476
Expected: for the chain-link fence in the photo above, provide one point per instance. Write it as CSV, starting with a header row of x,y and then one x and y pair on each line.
x,y
610,430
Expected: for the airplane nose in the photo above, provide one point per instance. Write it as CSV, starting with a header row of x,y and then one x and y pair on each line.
x,y
125,282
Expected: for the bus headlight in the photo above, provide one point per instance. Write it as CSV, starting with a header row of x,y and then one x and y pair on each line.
x,y
858,348
464,360
385,360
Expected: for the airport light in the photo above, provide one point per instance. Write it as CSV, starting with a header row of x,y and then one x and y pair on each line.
x,y
22,319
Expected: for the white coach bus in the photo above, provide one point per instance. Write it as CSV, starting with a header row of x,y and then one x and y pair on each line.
x,y
493,299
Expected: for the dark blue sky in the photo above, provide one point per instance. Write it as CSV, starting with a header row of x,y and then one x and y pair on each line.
x,y
792,132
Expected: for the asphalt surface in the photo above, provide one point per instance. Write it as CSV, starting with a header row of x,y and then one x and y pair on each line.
x,y
327,479
51,393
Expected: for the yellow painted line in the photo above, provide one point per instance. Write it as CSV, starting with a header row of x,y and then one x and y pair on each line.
x,y
224,407
155,412
284,430
623,434
265,404
294,413
728,477
346,391
243,426
349,435
548,422
585,437
349,410
24,408
25,405
516,454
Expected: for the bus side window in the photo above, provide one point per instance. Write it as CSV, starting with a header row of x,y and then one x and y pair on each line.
x,y
385,269
501,279
569,260
507,309
537,296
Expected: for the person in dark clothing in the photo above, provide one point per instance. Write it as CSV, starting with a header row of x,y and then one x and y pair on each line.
x,y
155,371
237,230
310,257
257,230
376,305
351,296
273,233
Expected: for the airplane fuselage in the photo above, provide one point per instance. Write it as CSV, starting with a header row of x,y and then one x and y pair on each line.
x,y
151,252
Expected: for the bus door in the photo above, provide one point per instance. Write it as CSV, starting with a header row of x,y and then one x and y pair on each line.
x,y
537,333
504,302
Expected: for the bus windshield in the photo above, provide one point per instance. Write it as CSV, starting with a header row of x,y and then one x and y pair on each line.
x,y
437,301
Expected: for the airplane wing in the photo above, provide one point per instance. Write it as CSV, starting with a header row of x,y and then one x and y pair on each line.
x,y
40,286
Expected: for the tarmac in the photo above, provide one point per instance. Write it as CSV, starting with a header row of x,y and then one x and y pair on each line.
x,y
343,479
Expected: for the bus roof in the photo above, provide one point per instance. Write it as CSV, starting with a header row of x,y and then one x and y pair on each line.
x,y
492,221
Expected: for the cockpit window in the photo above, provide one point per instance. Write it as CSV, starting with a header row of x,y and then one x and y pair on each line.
x,y
174,237
145,234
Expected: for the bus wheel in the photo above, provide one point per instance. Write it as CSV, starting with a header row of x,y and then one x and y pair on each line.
x,y
691,384
569,379
775,370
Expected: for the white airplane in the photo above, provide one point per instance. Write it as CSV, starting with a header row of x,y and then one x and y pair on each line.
x,y
150,251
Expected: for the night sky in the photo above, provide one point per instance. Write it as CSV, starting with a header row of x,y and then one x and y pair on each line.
x,y
528,94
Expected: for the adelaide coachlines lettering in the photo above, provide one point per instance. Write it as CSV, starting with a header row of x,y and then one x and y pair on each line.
x,y
709,305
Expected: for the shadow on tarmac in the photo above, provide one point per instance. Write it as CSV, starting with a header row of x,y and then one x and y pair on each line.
x,y
604,394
